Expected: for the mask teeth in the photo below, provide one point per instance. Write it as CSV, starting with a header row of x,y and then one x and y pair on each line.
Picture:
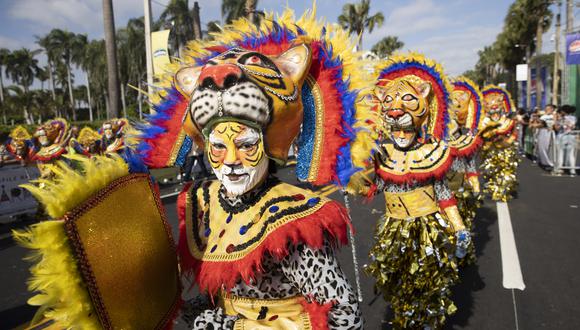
x,y
220,104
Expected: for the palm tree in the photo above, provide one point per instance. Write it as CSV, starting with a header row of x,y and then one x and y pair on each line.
x,y
356,19
234,9
387,46
4,56
178,15
21,68
51,53
111,50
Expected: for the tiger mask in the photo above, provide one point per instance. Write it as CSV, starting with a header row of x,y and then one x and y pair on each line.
x,y
405,102
494,106
258,90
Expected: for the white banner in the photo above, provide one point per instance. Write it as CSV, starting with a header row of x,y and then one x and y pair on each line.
x,y
522,72
13,199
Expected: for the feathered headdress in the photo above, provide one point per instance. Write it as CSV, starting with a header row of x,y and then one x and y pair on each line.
x,y
475,113
327,96
417,66
507,97
20,133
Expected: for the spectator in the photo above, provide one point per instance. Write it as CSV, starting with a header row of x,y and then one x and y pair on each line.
x,y
195,155
522,124
565,124
545,136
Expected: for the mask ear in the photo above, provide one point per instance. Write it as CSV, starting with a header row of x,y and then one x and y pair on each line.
x,y
463,97
186,79
424,89
295,62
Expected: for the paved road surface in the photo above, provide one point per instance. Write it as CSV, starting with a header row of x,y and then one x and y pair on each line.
x,y
546,224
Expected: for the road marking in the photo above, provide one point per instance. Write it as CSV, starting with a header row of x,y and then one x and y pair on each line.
x,y
510,263
170,194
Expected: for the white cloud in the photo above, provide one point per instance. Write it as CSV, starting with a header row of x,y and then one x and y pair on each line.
x,y
415,17
80,16
457,52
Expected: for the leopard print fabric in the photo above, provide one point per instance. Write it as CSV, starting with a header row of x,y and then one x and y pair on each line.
x,y
315,274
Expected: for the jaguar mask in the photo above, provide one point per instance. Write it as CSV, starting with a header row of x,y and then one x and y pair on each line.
x,y
248,87
405,107
494,105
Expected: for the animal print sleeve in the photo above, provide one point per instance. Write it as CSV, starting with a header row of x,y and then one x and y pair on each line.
x,y
458,165
442,191
198,313
470,167
318,276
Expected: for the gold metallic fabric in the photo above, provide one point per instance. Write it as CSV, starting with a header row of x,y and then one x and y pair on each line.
x,y
452,214
262,314
126,254
426,159
415,203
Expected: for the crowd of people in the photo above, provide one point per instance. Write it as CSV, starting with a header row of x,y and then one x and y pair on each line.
x,y
549,137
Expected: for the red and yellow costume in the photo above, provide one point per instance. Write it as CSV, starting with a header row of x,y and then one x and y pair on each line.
x,y
412,259
499,154
52,138
259,253
20,146
466,115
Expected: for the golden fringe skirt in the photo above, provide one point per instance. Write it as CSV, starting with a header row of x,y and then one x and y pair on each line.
x,y
414,267
499,172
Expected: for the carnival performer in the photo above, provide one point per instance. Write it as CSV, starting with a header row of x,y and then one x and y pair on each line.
x,y
499,152
20,146
261,249
52,138
114,133
87,143
465,112
413,258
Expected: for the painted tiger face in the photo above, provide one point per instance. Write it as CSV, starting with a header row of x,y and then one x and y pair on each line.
x,y
50,132
236,154
247,85
459,108
494,106
405,103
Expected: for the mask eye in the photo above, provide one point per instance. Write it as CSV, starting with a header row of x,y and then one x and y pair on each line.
x,y
389,99
253,60
408,97
218,146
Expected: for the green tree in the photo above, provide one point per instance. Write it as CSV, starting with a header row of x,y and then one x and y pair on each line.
x,y
177,15
4,56
21,67
234,9
386,46
356,19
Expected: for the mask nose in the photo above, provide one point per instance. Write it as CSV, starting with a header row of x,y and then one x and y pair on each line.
x,y
220,76
395,113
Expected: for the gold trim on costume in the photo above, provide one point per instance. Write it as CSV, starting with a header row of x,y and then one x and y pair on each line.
x,y
425,159
318,137
411,204
258,314
260,220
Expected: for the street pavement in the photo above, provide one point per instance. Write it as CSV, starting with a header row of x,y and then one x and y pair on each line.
x,y
545,218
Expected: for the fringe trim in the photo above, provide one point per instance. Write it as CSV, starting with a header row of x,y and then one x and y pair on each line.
x,y
436,173
471,149
211,276
443,204
318,314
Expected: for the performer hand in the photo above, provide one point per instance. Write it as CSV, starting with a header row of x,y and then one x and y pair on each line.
x,y
462,241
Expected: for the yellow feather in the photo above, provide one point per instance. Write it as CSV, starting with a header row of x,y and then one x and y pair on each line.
x,y
68,188
62,296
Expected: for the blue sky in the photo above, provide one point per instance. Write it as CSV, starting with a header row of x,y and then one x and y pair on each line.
x,y
449,31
